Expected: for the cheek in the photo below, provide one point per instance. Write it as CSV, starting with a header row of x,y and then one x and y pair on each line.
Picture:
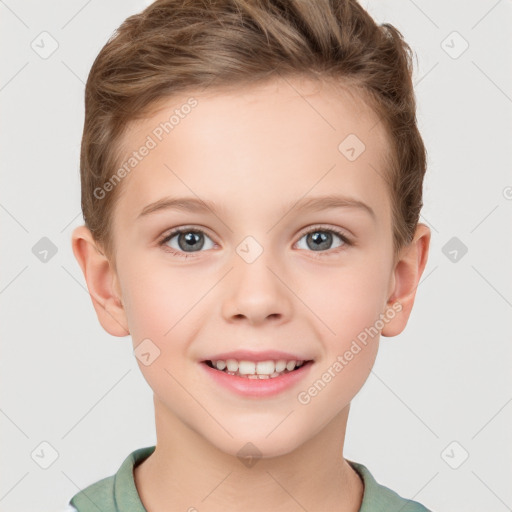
x,y
345,300
161,316
350,332
159,301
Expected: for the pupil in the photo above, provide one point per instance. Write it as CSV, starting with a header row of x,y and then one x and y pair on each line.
x,y
321,239
191,238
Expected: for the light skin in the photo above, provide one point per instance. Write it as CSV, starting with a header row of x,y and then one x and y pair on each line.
x,y
254,152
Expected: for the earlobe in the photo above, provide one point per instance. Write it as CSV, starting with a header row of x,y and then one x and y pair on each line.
x,y
406,277
100,278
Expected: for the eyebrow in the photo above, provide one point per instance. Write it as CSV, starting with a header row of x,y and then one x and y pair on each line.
x,y
196,205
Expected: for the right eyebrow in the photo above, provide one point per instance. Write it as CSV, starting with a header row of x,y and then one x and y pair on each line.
x,y
189,204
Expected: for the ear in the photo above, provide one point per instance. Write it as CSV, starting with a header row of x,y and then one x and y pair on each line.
x,y
102,282
406,276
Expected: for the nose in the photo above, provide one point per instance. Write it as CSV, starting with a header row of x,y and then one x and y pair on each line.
x,y
257,292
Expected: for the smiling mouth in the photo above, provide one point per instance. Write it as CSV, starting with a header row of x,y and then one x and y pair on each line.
x,y
257,370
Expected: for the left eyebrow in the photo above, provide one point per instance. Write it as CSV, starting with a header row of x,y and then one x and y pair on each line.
x,y
195,205
331,201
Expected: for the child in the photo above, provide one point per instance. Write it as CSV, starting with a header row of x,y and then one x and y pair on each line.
x,y
278,140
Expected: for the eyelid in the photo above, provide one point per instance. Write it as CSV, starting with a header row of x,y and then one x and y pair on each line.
x,y
348,240
171,232
197,227
344,233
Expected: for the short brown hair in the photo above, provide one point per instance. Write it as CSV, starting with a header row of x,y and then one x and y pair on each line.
x,y
178,45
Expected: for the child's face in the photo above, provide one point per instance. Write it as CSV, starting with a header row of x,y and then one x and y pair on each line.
x,y
253,154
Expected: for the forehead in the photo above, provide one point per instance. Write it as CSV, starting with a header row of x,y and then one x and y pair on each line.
x,y
257,146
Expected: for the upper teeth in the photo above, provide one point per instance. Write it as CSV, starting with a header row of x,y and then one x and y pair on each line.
x,y
256,368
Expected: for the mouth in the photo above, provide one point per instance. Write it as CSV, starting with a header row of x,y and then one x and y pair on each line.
x,y
256,376
260,370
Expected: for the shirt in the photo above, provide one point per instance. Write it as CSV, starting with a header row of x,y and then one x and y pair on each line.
x,y
118,493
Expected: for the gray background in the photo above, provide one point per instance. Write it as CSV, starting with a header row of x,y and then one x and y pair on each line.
x,y
439,392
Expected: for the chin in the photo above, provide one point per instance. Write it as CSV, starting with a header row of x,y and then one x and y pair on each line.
x,y
258,444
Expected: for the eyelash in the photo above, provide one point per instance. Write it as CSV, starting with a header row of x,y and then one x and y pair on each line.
x,y
346,241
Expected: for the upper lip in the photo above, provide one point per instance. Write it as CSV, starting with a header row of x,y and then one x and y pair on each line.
x,y
248,355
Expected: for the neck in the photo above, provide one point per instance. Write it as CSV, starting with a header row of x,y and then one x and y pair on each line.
x,y
187,471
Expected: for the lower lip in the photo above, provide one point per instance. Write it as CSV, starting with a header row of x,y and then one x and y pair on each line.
x,y
258,387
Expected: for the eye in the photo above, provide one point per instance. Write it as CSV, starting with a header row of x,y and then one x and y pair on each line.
x,y
184,241
320,239
188,240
